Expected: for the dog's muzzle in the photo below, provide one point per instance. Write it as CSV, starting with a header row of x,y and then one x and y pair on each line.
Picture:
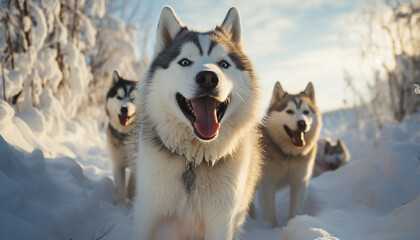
x,y
204,113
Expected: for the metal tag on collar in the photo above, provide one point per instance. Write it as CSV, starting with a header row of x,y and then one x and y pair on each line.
x,y
189,176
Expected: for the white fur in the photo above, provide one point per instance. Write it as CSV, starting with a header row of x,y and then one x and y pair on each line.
x,y
174,128
286,164
119,154
168,23
216,207
114,106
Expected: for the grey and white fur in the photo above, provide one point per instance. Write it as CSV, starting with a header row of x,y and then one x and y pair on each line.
x,y
330,156
289,136
121,111
199,108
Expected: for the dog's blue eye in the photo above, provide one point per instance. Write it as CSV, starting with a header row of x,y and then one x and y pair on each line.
x,y
224,64
306,112
290,111
184,62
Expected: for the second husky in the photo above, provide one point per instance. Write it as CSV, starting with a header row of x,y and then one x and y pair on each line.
x,y
121,112
290,134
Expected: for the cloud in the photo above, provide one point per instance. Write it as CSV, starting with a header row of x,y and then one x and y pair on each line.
x,y
288,42
263,34
263,26
301,4
324,67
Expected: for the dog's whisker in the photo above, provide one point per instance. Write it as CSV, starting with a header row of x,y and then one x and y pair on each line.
x,y
239,95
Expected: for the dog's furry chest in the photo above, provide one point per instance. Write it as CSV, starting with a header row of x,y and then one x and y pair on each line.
x,y
162,165
118,145
283,167
216,188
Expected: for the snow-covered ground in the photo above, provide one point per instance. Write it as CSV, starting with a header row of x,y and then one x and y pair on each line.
x,y
60,187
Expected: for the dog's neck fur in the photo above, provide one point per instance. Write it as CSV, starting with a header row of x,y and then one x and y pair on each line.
x,y
268,141
202,151
122,136
197,151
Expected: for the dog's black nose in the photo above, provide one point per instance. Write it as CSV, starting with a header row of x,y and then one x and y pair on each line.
x,y
124,110
301,125
207,79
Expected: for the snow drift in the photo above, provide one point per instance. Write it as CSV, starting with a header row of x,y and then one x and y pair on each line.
x,y
59,186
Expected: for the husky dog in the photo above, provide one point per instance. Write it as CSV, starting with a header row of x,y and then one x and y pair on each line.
x,y
330,156
121,110
200,159
290,133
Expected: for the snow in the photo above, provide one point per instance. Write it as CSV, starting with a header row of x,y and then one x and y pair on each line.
x,y
26,23
97,8
55,182
48,68
39,30
14,81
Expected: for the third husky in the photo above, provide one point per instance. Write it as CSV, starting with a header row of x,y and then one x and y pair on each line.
x,y
330,156
290,135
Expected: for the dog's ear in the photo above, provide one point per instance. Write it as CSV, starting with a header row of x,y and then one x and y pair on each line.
x,y
278,93
115,77
327,146
232,25
309,91
340,144
168,27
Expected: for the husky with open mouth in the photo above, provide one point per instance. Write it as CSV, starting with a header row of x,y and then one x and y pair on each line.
x,y
200,159
290,134
121,112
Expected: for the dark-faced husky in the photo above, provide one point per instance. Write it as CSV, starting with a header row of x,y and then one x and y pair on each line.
x,y
200,159
121,111
290,134
330,156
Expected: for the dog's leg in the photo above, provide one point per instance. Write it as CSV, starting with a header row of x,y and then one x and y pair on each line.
x,y
131,187
220,227
297,197
251,211
240,219
119,178
146,221
267,202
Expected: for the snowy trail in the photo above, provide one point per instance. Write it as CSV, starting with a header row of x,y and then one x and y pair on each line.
x,y
56,187
59,187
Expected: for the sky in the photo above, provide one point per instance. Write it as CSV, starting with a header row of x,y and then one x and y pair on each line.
x,y
290,41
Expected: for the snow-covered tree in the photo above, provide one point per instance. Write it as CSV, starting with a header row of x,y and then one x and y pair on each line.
x,y
391,45
57,55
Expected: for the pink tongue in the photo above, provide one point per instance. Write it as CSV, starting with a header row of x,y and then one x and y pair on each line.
x,y
205,116
297,139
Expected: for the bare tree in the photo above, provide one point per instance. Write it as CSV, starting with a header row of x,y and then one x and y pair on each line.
x,y
393,39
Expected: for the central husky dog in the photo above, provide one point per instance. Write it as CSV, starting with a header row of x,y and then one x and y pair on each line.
x,y
121,111
200,155
290,134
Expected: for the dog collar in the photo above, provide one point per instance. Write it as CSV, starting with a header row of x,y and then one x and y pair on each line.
x,y
120,136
